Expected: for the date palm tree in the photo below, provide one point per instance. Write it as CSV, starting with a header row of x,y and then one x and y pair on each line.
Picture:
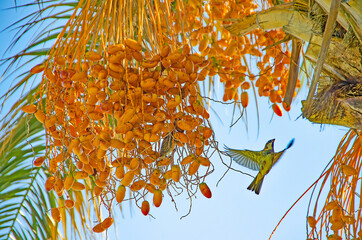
x,y
327,32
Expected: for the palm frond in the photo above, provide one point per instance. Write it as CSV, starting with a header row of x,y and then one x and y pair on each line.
x,y
24,203
22,197
42,26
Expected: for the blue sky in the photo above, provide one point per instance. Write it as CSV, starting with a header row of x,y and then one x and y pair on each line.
x,y
233,212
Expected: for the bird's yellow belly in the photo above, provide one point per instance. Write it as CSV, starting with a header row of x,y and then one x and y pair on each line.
x,y
266,165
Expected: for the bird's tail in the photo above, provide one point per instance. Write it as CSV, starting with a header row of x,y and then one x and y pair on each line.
x,y
289,144
256,184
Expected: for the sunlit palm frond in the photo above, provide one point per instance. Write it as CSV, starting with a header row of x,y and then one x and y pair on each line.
x,y
24,203
23,200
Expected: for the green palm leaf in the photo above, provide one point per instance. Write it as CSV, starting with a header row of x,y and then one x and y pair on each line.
x,y
22,197
24,204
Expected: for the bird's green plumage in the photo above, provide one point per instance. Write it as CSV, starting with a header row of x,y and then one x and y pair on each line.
x,y
261,161
245,157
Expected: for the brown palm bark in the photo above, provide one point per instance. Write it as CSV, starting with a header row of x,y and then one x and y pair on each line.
x,y
338,96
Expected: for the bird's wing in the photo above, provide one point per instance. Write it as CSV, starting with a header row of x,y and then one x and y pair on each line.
x,y
278,155
245,158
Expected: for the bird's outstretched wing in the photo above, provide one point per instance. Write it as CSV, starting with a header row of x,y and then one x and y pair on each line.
x,y
245,158
279,154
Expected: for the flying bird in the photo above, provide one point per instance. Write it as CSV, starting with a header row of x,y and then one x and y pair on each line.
x,y
261,161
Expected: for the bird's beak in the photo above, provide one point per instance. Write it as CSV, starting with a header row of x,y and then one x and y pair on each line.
x,y
272,143
269,144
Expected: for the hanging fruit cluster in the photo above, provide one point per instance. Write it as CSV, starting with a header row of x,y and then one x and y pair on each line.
x,y
229,54
128,117
126,122
341,212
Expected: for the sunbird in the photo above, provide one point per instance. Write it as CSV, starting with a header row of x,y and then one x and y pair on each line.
x,y
261,161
